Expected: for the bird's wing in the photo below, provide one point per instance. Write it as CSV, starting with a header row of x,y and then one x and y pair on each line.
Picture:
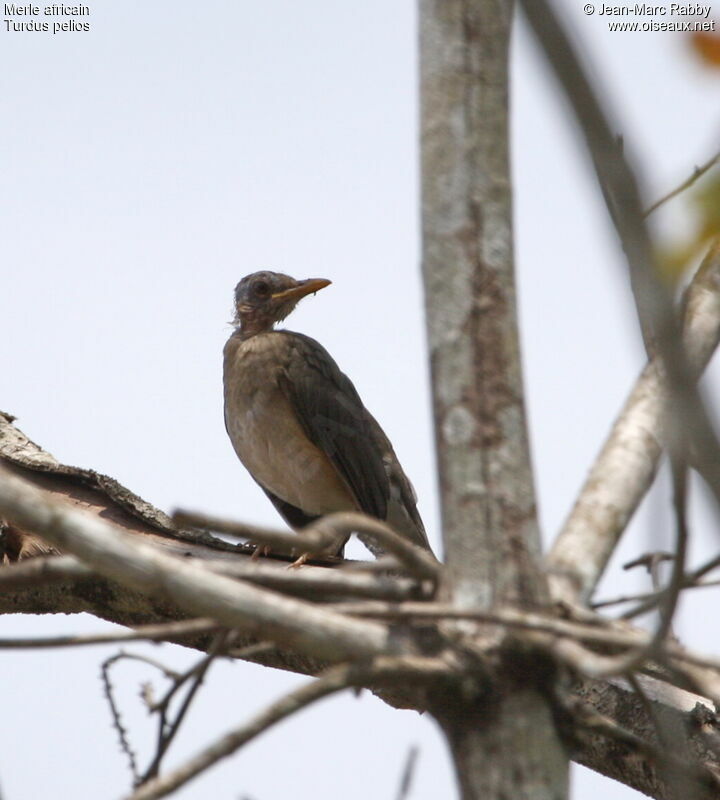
x,y
335,420
294,516
402,508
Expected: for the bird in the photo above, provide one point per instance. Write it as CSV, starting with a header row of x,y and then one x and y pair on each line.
x,y
297,423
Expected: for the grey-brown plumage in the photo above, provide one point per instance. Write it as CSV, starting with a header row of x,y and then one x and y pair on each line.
x,y
297,422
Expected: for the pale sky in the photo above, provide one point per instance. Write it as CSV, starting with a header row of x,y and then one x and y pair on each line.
x,y
151,162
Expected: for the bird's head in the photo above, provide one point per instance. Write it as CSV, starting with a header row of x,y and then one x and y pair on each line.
x,y
264,298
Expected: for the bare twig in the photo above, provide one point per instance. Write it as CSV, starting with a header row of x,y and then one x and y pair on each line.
x,y
408,773
115,713
650,561
284,541
41,571
626,663
161,632
691,581
324,533
703,570
563,634
168,730
319,583
388,565
698,172
417,560
334,680
649,599
311,581
252,651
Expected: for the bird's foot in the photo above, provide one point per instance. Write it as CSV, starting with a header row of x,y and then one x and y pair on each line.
x,y
299,561
260,550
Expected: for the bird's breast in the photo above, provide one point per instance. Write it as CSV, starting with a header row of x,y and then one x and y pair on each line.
x,y
266,434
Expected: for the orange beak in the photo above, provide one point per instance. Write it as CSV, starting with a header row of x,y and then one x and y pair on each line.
x,y
302,289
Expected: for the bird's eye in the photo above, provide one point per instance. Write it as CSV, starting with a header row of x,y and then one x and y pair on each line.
x,y
261,288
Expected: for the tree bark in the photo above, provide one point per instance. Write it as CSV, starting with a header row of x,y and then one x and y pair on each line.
x,y
504,742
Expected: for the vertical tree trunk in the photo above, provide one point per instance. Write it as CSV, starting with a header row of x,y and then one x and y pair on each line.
x,y
484,462
504,742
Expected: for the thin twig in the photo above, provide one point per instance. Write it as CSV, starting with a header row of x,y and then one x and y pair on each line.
x,y
691,581
324,533
168,730
319,582
334,680
252,651
284,541
152,633
565,634
408,773
649,560
626,664
41,571
115,713
698,172
651,598
703,570
314,581
417,560
385,565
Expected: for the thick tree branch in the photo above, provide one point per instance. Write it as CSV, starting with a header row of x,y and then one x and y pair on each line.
x,y
626,465
106,549
693,716
694,779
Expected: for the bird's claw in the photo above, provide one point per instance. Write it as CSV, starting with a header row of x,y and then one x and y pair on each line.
x,y
260,550
299,561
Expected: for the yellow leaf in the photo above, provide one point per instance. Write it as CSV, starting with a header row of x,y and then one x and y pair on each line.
x,y
707,46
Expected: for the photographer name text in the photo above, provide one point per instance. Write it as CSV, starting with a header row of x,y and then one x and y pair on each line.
x,y
644,10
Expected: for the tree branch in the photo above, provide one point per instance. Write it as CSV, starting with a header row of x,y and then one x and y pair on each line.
x,y
149,633
335,680
698,780
316,536
626,465
106,549
679,709
698,172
